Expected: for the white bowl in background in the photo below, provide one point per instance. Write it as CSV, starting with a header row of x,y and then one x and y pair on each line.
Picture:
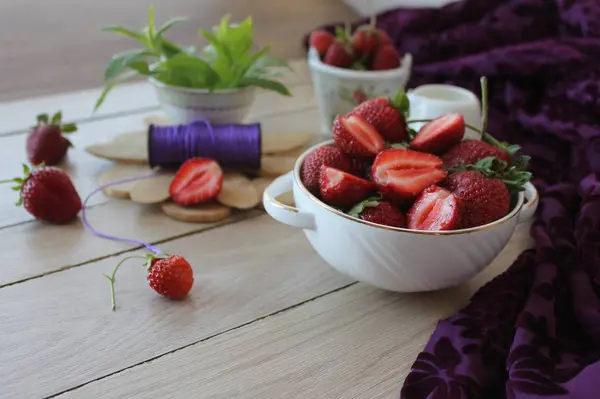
x,y
339,90
183,105
394,259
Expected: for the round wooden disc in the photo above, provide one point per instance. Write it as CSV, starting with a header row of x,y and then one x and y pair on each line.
x,y
199,213
238,191
118,172
152,191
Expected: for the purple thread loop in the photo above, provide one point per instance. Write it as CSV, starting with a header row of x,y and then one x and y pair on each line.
x,y
231,145
87,224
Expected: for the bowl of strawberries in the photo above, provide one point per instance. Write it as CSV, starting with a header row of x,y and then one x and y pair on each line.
x,y
402,210
349,68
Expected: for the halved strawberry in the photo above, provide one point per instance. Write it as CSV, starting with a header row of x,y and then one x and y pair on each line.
x,y
440,134
436,209
197,180
339,188
403,174
356,137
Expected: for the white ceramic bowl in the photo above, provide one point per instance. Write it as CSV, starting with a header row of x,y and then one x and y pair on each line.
x,y
339,90
183,105
390,258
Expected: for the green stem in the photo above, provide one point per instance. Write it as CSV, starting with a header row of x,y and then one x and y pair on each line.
x,y
484,105
6,181
112,279
373,21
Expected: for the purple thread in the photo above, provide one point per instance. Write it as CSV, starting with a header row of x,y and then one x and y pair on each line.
x,y
231,145
87,224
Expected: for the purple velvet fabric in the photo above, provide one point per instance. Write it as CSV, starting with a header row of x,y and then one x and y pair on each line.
x,y
534,331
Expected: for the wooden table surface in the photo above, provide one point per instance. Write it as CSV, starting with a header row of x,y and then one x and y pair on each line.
x,y
266,318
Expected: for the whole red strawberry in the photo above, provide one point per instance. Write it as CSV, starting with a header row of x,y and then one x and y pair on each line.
x,y
338,55
169,275
375,210
172,276
329,156
385,57
46,143
387,115
364,40
48,194
470,151
321,40
484,199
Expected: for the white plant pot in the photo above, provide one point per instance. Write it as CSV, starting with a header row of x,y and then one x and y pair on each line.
x,y
395,259
339,90
183,105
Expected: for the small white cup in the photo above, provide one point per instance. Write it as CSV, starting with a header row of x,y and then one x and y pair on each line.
x,y
339,90
433,100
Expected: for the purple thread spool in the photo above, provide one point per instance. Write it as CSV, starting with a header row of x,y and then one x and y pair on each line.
x,y
231,145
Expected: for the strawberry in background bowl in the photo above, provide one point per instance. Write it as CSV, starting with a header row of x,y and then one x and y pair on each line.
x,y
352,67
408,211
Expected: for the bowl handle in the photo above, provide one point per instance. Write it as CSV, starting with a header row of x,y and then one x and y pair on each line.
x,y
284,213
530,207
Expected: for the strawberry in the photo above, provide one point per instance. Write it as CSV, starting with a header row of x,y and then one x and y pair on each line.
x,y
403,174
386,115
169,275
310,171
375,210
440,134
484,199
383,38
385,57
321,40
436,209
364,40
470,151
45,143
342,189
356,137
48,194
197,180
338,55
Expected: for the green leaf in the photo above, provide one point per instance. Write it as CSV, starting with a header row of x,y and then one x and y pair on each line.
x,y
26,169
120,79
187,71
169,24
19,180
126,32
56,118
42,119
134,59
370,202
265,84
223,64
402,145
411,133
16,188
401,102
150,28
68,128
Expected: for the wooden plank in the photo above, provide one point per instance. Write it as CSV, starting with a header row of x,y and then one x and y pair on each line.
x,y
85,169
61,330
356,343
78,106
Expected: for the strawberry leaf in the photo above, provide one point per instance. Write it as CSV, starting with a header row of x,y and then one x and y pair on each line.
x,y
401,102
56,118
42,119
402,145
68,128
515,176
370,202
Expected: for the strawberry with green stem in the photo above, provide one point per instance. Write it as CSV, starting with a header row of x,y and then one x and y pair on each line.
x,y
169,275
47,193
46,142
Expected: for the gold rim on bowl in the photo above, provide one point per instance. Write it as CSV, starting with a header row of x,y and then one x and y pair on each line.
x,y
513,213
